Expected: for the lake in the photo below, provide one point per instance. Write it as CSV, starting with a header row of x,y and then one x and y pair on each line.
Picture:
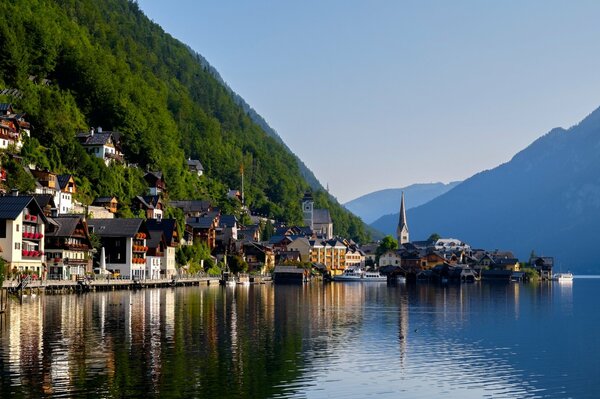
x,y
337,340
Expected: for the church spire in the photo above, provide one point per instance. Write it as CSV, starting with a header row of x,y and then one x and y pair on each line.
x,y
402,230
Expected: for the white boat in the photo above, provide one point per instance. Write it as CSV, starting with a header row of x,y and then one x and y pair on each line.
x,y
357,274
563,277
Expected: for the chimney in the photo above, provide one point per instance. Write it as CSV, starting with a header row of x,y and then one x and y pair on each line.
x,y
14,192
54,212
91,131
99,130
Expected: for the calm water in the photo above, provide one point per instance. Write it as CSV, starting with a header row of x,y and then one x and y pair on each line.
x,y
346,340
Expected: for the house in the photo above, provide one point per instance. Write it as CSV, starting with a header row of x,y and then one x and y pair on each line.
x,y
544,265
432,259
63,197
282,257
234,194
46,203
322,224
450,244
156,183
46,181
369,250
157,246
124,242
390,258
13,127
68,247
152,206
330,253
259,257
303,246
103,145
289,274
511,264
22,229
227,231
172,237
192,208
203,228
250,233
109,203
195,166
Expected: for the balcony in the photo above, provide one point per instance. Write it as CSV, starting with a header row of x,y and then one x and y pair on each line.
x,y
31,254
140,248
30,218
32,236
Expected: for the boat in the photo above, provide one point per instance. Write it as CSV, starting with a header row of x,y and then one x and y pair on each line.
x,y
227,279
563,277
358,274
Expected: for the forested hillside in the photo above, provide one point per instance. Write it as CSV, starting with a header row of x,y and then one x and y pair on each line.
x,y
110,66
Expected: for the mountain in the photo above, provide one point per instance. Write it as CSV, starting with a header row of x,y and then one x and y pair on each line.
x,y
545,199
260,121
76,64
372,206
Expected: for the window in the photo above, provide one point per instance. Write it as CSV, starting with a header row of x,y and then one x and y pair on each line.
x,y
17,226
17,245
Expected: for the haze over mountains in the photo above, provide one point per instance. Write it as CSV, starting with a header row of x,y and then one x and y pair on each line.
x,y
372,206
546,199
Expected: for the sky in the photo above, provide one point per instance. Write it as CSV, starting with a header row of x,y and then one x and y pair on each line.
x,y
386,93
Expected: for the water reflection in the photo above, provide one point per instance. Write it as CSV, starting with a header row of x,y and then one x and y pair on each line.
x,y
350,340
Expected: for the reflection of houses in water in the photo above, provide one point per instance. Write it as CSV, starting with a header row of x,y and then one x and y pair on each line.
x,y
403,326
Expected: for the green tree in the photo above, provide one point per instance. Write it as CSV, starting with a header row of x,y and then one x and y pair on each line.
x,y
434,237
236,264
387,244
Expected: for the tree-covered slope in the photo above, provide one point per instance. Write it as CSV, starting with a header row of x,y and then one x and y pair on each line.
x,y
111,66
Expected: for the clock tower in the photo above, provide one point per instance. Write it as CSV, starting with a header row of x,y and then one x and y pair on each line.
x,y
307,209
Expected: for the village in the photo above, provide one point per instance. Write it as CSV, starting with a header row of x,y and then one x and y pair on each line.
x,y
47,235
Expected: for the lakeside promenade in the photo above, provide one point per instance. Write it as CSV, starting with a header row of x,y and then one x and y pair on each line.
x,y
80,285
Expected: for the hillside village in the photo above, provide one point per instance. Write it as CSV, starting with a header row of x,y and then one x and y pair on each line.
x,y
49,234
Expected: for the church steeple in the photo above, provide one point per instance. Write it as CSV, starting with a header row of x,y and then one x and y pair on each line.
x,y
402,230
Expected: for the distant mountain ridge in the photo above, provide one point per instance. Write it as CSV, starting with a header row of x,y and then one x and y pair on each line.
x,y
545,199
372,206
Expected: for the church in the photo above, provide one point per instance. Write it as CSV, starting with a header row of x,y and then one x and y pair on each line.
x,y
318,220
402,229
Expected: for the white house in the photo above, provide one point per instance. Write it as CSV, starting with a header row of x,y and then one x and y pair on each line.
x,y
22,229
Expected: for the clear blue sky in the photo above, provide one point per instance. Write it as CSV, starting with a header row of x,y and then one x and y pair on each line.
x,y
383,94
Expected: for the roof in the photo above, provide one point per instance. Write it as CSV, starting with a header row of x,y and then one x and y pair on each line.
x,y
192,205
155,238
227,221
156,175
12,206
116,227
321,216
103,200
101,138
44,200
5,107
65,225
288,269
148,201
200,222
194,163
167,226
63,180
